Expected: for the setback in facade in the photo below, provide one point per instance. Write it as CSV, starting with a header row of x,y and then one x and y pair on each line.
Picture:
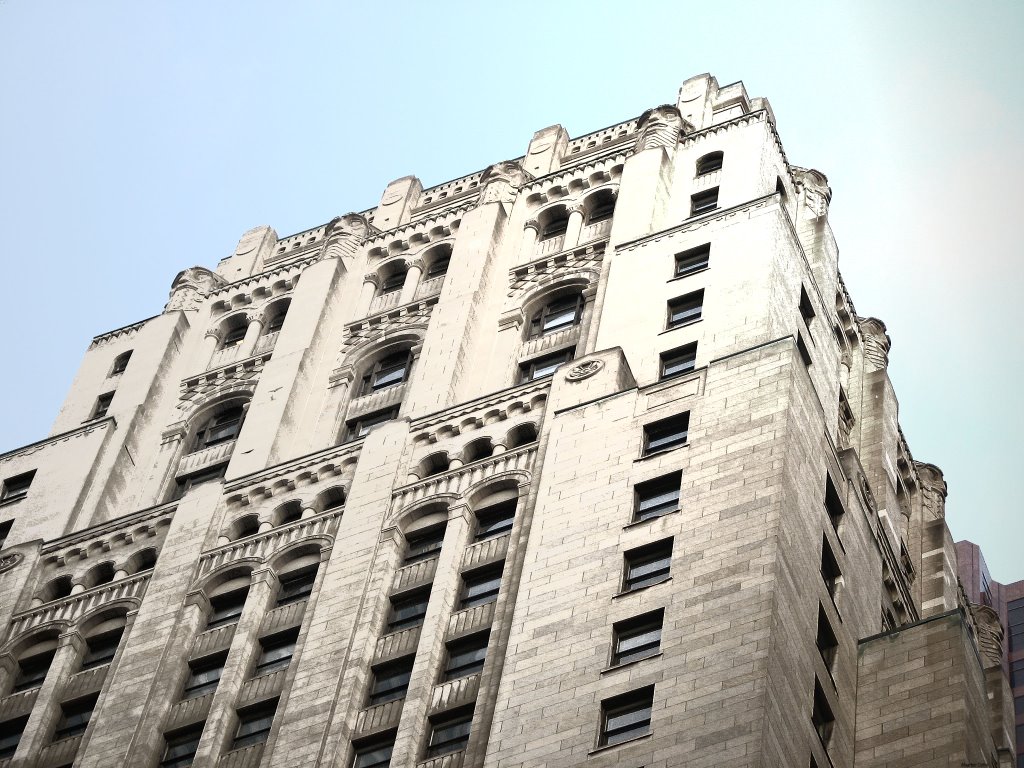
x,y
585,459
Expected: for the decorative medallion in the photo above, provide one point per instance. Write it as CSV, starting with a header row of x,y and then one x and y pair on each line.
x,y
9,561
584,370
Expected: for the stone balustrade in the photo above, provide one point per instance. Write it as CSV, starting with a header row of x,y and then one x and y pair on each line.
x,y
454,693
396,644
246,757
189,711
375,401
451,760
16,704
70,608
262,687
262,545
284,617
266,343
378,718
414,575
223,356
486,551
86,681
59,753
470,620
205,458
541,344
430,287
213,640
551,245
595,231
455,481
384,302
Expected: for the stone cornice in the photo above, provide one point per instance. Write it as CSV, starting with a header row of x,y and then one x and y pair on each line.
x,y
127,330
748,118
402,231
518,392
573,171
85,429
216,377
108,527
335,456
297,266
419,309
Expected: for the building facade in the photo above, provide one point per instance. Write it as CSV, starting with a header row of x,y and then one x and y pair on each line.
x,y
585,459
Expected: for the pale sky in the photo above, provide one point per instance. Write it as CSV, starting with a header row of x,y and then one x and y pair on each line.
x,y
139,138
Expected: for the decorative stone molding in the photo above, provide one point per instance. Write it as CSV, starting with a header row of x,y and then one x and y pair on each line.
x,y
876,342
659,127
584,370
378,718
190,288
505,406
502,181
470,620
990,634
583,262
933,490
331,466
10,561
258,289
128,330
396,644
451,760
566,183
344,236
64,437
413,575
486,551
411,317
428,229
817,192
69,610
240,372
454,693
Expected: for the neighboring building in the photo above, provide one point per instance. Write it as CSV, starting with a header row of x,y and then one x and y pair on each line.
x,y
585,459
1007,604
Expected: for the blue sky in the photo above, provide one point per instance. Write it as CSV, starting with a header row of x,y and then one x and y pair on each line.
x,y
140,138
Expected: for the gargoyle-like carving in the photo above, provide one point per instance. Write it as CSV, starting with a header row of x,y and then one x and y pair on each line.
x,y
659,127
990,634
876,342
344,234
815,184
501,180
190,287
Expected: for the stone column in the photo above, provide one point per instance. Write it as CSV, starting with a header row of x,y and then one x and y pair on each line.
x,y
44,715
252,335
370,284
575,226
412,282
210,343
529,247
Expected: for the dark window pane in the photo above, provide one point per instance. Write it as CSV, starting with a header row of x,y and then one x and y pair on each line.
x,y
227,608
637,638
665,434
479,588
545,366
709,163
276,652
181,747
254,724
657,497
204,675
10,735
390,681
466,657
685,309
100,649
376,754
626,717
425,544
16,487
495,521
449,735
407,612
296,586
647,565
693,260
74,717
703,202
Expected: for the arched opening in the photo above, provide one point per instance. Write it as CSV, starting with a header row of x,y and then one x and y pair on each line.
x,y
297,575
102,638
143,560
248,525
34,662
600,206
477,449
288,513
99,574
521,435
56,589
710,163
233,332
437,261
553,222
560,312
393,278
227,598
332,498
223,426
276,314
434,464
424,536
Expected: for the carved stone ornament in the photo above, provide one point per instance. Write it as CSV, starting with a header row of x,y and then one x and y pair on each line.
x,y
584,370
876,342
190,287
501,180
990,634
659,127
344,234
816,188
10,560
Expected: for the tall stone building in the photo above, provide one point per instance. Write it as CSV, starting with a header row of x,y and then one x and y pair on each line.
x,y
585,459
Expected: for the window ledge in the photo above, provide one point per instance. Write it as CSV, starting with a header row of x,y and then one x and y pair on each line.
x,y
662,452
617,667
11,502
688,274
619,595
606,747
637,523
687,324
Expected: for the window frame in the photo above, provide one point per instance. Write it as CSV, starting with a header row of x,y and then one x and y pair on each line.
x,y
542,321
491,520
692,261
685,310
709,163
684,359
635,628
100,649
223,616
666,434
528,369
360,428
704,201
267,662
393,282
384,370
102,405
296,585
15,487
371,749
399,670
120,364
454,722
221,427
74,716
419,599
650,491
234,336
252,720
424,544
198,683
32,670
646,566
480,586
471,646
632,704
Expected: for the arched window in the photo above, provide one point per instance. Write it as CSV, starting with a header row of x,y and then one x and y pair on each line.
x,y
99,574
101,642
288,513
233,336
477,449
394,280
424,538
142,560
387,372
120,363
600,206
33,664
559,313
434,464
227,601
521,435
275,317
223,426
710,163
56,589
554,222
332,498
248,525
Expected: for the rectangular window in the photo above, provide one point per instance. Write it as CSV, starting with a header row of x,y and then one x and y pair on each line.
x,y
10,735
542,367
480,587
374,754
227,607
626,717
466,657
693,260
100,649
657,497
685,309
826,641
822,716
32,671
678,361
833,504
495,521
666,434
705,201
408,612
183,484
361,427
449,734
637,638
276,652
254,724
424,545
388,372
181,746
647,565
74,717
296,586
204,675
102,405
15,488
801,347
559,314
5,531
830,572
391,681
806,308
